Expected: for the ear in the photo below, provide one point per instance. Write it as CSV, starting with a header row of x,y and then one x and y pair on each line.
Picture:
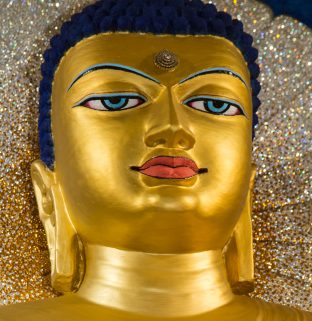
x,y
65,247
239,250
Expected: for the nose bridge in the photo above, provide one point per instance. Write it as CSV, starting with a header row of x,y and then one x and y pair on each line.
x,y
174,116
171,129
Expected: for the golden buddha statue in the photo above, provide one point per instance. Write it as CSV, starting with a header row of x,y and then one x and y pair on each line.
x,y
145,180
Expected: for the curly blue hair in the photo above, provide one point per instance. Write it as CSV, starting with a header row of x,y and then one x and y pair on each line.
x,y
174,17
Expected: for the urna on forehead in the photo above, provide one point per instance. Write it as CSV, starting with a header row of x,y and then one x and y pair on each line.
x,y
158,17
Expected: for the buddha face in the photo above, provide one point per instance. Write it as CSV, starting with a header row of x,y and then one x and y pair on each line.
x,y
150,159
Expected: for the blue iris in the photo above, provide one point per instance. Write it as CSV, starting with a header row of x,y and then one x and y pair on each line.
x,y
114,102
216,106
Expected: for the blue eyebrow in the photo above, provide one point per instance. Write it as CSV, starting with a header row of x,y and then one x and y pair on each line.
x,y
114,67
214,71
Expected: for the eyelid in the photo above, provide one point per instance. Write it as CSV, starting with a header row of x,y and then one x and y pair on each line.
x,y
216,85
108,95
112,81
232,102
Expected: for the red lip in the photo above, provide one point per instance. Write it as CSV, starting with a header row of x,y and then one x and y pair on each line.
x,y
169,167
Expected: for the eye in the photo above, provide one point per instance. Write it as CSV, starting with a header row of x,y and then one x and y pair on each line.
x,y
213,105
112,102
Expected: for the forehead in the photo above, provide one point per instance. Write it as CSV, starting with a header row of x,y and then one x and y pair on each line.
x,y
195,53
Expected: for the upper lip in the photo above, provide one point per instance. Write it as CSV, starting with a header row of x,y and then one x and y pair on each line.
x,y
171,158
170,161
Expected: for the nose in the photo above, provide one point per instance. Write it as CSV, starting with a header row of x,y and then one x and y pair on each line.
x,y
171,129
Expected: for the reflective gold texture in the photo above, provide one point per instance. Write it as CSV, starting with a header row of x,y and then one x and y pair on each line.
x,y
127,297
149,246
167,136
169,285
122,208
281,208
65,248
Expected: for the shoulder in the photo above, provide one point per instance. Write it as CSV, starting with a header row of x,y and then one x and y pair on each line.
x,y
43,310
73,308
249,309
30,311
69,307
277,312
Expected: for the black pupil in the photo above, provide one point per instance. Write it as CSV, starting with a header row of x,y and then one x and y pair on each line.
x,y
115,100
218,103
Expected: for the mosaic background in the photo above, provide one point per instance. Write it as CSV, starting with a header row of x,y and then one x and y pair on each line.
x,y
282,206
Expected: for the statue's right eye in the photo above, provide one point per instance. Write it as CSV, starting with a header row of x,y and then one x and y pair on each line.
x,y
113,102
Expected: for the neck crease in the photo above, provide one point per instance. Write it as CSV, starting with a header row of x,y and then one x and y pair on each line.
x,y
165,285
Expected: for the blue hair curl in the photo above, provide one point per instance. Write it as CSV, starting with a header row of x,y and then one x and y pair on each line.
x,y
183,17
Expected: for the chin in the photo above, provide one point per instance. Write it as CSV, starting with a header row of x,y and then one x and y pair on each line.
x,y
169,199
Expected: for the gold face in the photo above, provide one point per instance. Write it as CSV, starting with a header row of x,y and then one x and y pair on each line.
x,y
149,159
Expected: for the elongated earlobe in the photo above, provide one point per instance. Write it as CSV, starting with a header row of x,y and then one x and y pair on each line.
x,y
239,250
65,246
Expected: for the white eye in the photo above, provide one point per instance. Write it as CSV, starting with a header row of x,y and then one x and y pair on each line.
x,y
214,105
113,102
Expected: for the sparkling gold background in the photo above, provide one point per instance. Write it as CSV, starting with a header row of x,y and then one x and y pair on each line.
x,y
281,213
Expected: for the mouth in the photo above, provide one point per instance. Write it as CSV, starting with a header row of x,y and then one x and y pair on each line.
x,y
170,167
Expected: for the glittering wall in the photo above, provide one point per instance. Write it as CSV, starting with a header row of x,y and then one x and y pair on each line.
x,y
281,214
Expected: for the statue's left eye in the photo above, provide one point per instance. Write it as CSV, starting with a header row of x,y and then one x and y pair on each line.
x,y
214,105
113,102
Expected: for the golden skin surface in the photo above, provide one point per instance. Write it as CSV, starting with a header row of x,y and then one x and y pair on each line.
x,y
131,224
112,205
72,308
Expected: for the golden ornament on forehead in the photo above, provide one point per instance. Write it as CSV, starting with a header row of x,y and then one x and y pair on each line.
x,y
166,60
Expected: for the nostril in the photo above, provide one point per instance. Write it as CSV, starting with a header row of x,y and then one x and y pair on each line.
x,y
160,141
170,136
183,143
187,141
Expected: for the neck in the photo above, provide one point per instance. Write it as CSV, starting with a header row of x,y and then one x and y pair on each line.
x,y
164,285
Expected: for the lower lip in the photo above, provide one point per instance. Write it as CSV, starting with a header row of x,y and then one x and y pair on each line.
x,y
161,171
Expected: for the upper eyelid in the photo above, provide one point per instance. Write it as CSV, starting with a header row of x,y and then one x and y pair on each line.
x,y
216,98
215,89
100,96
207,81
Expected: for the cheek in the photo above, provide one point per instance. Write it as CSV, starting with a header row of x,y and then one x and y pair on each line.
x,y
225,148
93,157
